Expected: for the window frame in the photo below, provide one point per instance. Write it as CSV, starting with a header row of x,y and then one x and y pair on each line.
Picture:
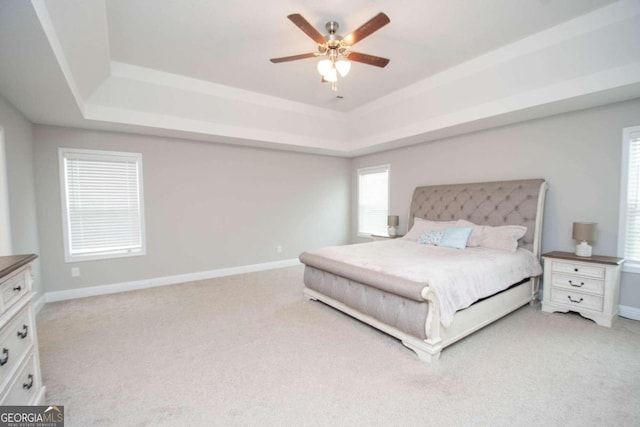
x,y
365,170
104,154
629,265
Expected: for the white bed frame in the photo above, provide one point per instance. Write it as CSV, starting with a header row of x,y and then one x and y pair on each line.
x,y
465,321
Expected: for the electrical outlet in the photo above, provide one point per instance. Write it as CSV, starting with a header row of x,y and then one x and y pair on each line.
x,y
279,249
75,271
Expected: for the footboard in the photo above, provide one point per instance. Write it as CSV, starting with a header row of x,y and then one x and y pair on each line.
x,y
427,350
415,323
413,318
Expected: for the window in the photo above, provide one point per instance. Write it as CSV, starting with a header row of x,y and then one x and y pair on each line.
x,y
102,204
373,200
629,237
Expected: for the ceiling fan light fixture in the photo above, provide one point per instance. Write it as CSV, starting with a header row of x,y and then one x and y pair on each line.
x,y
336,49
343,66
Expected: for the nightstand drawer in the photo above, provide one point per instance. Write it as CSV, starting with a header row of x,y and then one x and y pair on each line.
x,y
575,282
582,270
577,299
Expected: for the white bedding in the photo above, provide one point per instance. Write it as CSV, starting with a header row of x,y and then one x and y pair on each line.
x,y
459,276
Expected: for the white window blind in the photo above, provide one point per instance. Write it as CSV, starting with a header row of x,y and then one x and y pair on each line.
x,y
373,200
102,204
630,203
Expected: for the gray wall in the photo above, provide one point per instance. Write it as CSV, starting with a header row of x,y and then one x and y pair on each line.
x,y
579,155
18,140
214,206
207,206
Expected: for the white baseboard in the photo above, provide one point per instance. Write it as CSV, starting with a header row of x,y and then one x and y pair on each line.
x,y
163,281
625,311
629,312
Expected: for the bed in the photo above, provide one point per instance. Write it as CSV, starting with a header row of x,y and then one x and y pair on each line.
x,y
379,282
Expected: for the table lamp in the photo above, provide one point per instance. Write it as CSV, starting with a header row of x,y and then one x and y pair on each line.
x,y
584,232
392,222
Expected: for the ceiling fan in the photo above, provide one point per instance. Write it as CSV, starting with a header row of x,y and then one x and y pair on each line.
x,y
335,49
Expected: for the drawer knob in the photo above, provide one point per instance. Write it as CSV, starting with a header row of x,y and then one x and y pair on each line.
x,y
5,358
575,300
575,284
17,288
575,269
30,384
25,330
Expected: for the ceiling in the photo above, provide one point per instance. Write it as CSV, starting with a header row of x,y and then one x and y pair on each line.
x,y
200,69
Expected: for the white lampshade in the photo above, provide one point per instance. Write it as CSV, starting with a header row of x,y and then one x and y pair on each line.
x,y
331,75
343,67
324,67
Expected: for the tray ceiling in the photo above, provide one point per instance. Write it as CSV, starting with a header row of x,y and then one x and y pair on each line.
x,y
200,69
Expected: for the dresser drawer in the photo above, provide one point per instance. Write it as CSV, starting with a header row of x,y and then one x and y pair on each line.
x,y
13,288
583,270
577,299
15,341
576,282
25,385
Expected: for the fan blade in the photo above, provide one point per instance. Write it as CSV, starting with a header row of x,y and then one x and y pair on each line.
x,y
308,29
368,59
293,58
368,28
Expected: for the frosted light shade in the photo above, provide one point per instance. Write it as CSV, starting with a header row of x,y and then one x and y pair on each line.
x,y
324,67
343,67
331,75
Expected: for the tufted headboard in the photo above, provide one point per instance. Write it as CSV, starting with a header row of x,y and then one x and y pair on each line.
x,y
518,202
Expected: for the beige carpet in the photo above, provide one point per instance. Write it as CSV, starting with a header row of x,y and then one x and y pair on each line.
x,y
250,350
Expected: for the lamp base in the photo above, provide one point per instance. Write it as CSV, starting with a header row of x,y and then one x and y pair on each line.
x,y
391,231
583,249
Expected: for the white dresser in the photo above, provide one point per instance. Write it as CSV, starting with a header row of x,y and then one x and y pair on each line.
x,y
587,285
20,377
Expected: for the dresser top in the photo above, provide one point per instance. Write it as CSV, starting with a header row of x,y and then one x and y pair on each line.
x,y
13,262
595,258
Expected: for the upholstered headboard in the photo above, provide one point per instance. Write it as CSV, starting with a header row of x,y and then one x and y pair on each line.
x,y
518,202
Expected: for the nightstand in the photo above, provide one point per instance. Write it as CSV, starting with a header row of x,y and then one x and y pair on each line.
x,y
587,285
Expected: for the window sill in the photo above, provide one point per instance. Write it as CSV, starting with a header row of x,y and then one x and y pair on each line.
x,y
631,267
72,259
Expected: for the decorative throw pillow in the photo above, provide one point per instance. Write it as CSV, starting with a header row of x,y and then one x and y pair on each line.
x,y
504,237
455,237
421,225
430,237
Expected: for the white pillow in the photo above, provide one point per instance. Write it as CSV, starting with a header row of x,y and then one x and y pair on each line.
x,y
504,237
421,225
